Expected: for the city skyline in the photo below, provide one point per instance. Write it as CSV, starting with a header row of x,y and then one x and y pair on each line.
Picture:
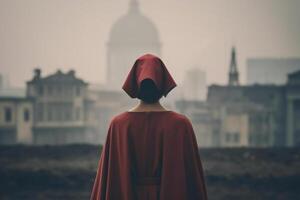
x,y
61,35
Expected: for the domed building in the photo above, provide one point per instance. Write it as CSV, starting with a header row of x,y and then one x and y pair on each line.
x,y
131,36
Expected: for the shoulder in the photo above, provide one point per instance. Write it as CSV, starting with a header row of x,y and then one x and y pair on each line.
x,y
118,118
175,118
180,118
184,126
179,121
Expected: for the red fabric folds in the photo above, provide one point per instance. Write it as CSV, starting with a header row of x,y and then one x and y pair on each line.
x,y
151,67
150,156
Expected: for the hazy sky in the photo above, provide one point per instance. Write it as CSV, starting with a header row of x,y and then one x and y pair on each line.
x,y
69,34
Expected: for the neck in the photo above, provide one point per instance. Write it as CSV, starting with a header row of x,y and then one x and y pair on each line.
x,y
152,105
142,106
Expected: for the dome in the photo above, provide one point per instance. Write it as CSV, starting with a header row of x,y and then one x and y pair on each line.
x,y
134,28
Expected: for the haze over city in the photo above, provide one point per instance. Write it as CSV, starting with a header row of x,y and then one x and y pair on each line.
x,y
194,33
68,130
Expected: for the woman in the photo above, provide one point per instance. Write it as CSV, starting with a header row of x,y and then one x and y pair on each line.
x,y
150,152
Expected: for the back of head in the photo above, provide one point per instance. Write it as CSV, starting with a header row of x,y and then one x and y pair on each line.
x,y
148,92
148,79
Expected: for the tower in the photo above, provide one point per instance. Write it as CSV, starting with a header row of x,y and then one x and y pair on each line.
x,y
233,72
131,36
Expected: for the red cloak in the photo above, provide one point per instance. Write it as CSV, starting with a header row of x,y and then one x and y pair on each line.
x,y
150,155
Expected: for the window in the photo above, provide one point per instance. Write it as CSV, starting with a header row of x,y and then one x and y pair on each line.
x,y
236,137
77,114
59,112
232,137
77,91
40,90
228,137
50,112
40,112
59,90
68,111
8,114
26,115
50,90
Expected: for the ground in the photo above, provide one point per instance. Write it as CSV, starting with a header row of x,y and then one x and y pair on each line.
x,y
67,172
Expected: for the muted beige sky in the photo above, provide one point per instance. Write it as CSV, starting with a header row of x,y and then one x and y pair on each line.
x,y
72,34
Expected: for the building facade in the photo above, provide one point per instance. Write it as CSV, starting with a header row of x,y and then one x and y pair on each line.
x,y
292,99
257,115
249,115
59,108
204,125
102,106
16,120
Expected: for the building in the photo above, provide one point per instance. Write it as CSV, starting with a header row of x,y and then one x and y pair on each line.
x,y
194,84
249,115
292,100
59,108
16,120
270,70
102,106
131,36
257,115
67,111
4,82
204,125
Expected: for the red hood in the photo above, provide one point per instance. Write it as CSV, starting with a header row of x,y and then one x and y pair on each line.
x,y
152,67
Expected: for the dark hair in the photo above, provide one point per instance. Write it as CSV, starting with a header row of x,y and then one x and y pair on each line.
x,y
148,92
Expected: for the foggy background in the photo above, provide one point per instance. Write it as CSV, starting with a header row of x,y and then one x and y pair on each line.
x,y
55,106
66,34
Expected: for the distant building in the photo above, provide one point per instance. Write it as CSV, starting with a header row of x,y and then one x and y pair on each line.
x,y
16,120
67,111
130,37
102,106
270,70
249,115
259,115
263,115
59,108
204,125
4,82
292,98
13,92
194,84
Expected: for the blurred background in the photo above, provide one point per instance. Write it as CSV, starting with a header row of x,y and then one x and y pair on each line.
x,y
236,64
